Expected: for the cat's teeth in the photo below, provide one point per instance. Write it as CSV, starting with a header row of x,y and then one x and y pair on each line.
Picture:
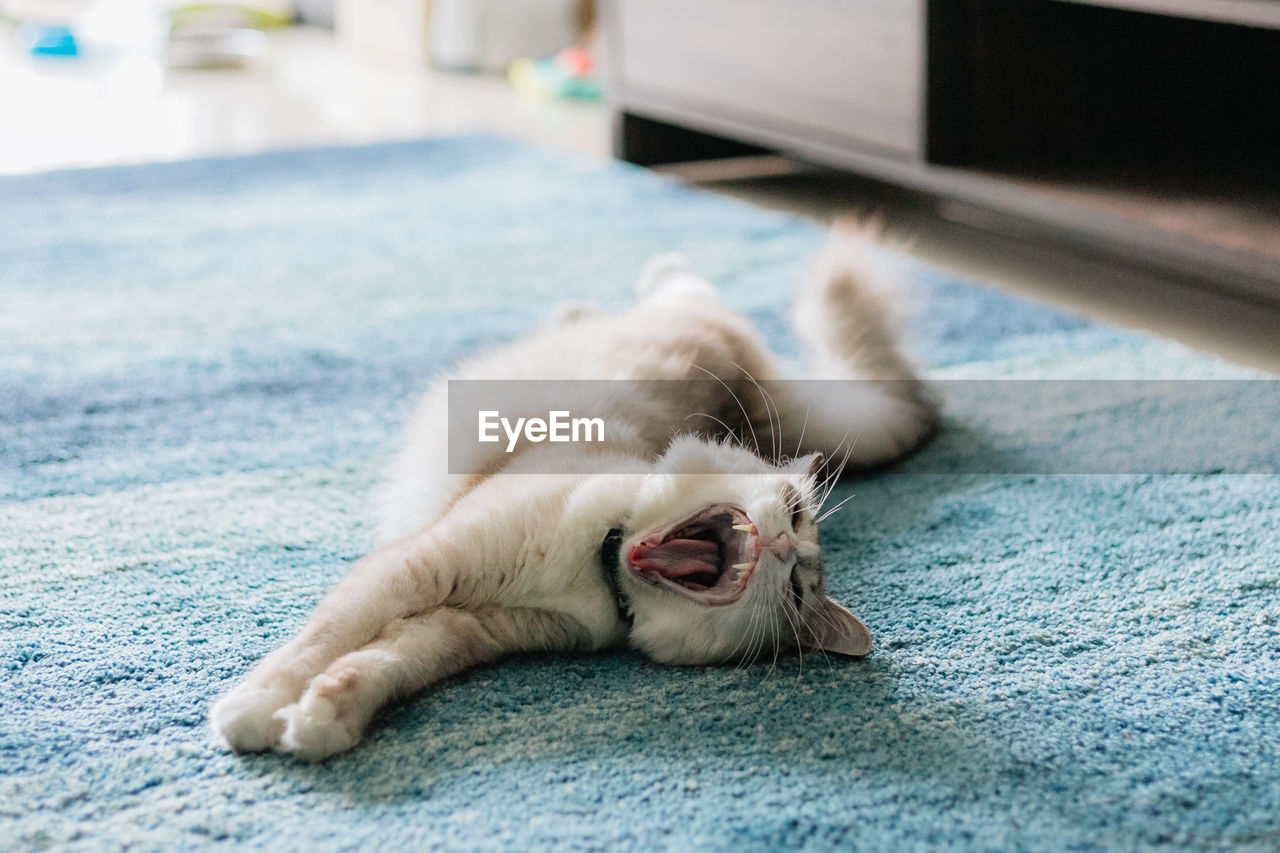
x,y
746,528
742,567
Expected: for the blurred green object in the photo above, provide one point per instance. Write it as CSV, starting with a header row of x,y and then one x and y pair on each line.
x,y
568,74
222,35
256,16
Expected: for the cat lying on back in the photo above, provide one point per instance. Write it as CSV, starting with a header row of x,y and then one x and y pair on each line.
x,y
719,565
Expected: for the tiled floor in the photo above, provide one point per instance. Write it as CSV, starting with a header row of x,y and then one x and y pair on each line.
x,y
310,92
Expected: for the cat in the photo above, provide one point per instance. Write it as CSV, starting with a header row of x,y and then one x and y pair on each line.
x,y
692,545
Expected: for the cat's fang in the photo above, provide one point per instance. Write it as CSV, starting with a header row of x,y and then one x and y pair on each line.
x,y
708,556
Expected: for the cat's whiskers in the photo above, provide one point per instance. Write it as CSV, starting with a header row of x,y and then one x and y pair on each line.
x,y
834,470
771,409
729,434
755,440
829,621
833,478
745,640
833,510
800,646
777,646
803,426
762,635
789,607
747,643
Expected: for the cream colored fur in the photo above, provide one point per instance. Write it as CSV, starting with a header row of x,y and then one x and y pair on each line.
x,y
476,567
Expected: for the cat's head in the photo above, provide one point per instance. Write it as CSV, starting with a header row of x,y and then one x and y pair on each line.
x,y
721,561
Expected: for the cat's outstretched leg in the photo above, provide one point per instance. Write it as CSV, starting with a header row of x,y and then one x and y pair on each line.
x,y
407,656
398,582
423,608
844,313
376,592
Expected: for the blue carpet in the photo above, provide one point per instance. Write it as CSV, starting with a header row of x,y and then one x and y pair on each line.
x,y
204,365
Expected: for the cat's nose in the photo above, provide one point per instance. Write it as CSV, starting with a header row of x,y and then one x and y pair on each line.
x,y
783,545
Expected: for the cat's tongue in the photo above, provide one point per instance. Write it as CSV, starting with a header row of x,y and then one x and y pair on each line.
x,y
677,558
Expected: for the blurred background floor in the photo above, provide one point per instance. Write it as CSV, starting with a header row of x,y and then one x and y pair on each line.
x,y
309,91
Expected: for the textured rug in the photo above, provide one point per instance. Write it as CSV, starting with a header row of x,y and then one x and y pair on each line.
x,y
204,365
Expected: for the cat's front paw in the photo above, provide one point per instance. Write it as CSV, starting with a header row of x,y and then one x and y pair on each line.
x,y
320,724
245,719
669,275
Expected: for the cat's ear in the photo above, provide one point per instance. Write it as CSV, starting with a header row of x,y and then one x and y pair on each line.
x,y
808,466
831,628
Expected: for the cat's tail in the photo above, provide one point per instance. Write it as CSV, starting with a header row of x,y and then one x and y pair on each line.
x,y
847,313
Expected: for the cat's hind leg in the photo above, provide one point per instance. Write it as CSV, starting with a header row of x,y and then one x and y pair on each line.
x,y
854,424
863,402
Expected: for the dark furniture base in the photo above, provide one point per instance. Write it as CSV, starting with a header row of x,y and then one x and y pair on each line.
x,y
1150,138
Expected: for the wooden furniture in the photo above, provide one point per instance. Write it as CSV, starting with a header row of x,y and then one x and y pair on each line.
x,y
1144,130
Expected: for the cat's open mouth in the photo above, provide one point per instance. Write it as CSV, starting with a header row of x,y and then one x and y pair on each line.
x,y
708,557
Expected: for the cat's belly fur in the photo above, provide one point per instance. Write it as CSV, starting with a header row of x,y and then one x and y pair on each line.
x,y
661,339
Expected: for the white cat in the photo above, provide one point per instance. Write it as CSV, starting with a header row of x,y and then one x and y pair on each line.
x,y
691,548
